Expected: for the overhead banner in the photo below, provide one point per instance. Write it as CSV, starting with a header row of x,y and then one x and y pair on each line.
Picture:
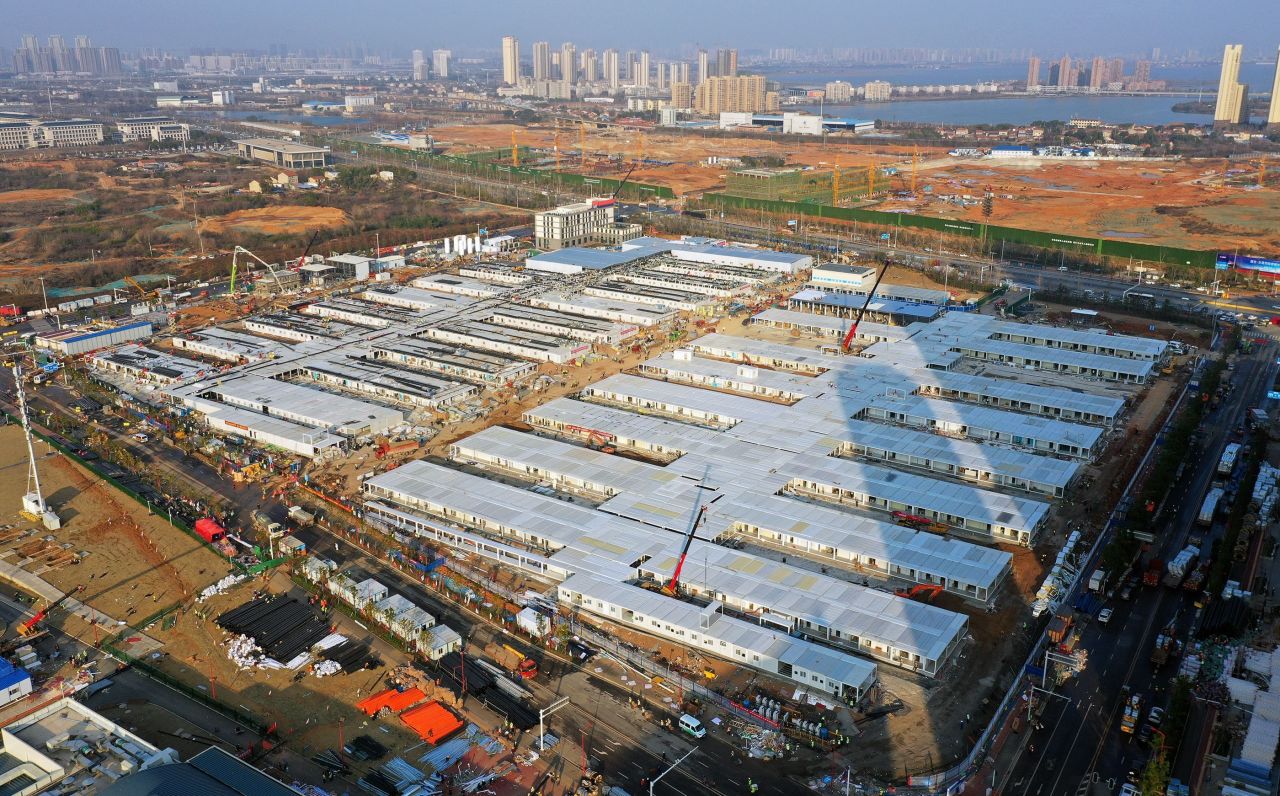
x,y
1244,262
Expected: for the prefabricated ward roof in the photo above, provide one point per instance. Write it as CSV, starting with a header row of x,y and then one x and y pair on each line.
x,y
676,496
734,408
415,296
854,302
601,307
861,611
1107,406
719,373
587,259
450,354
832,664
1060,356
953,499
834,323
1031,427
1145,346
867,536
315,407
717,344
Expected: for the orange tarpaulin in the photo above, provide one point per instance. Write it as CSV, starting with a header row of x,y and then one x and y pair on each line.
x,y
396,700
433,722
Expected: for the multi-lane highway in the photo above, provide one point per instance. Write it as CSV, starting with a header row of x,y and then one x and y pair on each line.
x,y
1080,731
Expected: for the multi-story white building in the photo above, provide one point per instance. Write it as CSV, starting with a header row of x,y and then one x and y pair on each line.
x,y
510,60
361,100
69,132
440,62
839,91
878,91
572,225
152,128
17,135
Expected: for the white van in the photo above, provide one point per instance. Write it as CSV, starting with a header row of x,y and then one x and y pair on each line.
x,y
692,726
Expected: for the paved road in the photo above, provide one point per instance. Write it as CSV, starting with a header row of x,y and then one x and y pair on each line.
x,y
1081,734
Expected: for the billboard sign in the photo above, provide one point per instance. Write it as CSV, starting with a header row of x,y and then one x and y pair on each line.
x,y
1244,262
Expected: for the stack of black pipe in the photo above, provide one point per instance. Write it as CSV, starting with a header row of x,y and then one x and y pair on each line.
x,y
283,627
480,685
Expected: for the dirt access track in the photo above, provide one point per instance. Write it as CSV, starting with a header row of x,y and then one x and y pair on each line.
x,y
132,563
280,220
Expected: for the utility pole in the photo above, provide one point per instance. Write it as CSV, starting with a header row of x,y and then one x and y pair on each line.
x,y
654,781
542,714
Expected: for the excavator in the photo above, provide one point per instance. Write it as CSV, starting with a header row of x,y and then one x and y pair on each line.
x,y
922,592
31,628
143,293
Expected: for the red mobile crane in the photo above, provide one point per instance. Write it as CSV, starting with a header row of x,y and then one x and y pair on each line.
x,y
32,625
674,583
301,261
857,319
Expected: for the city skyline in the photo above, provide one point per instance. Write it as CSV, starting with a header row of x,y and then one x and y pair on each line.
x,y
1132,27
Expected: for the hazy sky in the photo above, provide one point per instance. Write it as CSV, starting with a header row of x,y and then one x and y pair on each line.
x,y
1082,26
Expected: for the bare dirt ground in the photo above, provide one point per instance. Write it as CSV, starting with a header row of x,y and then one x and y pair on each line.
x,y
134,564
36,195
1177,203
278,220
308,711
610,152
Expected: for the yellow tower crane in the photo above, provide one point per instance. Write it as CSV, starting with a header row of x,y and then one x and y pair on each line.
x,y
835,186
582,144
556,145
871,180
915,164
515,151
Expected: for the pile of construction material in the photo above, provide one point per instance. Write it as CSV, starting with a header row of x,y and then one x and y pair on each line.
x,y
283,633
490,688
222,586
1061,575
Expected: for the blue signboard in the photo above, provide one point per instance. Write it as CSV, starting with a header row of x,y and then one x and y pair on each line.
x,y
1244,262
1274,395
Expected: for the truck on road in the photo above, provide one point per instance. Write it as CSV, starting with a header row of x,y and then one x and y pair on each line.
x,y
1181,565
1132,714
1209,508
263,522
301,516
1098,580
1151,576
1228,461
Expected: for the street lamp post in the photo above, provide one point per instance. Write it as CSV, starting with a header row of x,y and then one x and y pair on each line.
x,y
542,714
654,781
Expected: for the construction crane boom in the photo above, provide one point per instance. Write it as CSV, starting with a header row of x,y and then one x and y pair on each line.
x,y
857,319
235,254
303,259
674,583
133,283
33,624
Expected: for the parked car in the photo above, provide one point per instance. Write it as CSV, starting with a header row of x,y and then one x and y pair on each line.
x,y
1104,616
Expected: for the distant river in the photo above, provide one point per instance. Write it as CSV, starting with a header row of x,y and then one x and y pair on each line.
x,y
1199,76
1020,110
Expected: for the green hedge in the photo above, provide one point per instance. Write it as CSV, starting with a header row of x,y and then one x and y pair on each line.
x,y
1101,247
